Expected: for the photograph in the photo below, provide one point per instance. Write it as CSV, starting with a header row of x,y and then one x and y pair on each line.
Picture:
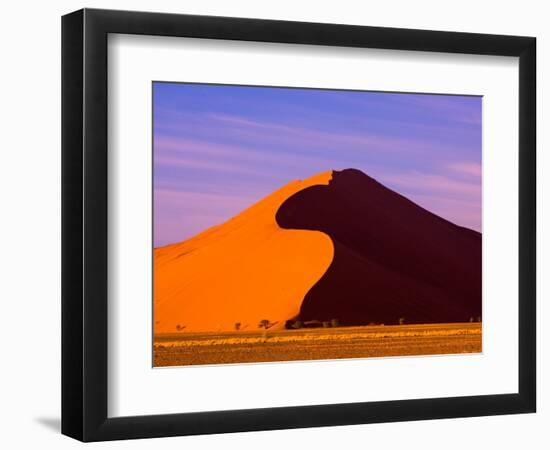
x,y
314,224
275,225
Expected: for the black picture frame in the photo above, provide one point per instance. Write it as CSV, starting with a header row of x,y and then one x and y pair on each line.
x,y
84,224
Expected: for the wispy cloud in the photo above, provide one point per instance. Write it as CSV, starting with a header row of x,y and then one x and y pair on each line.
x,y
423,182
315,138
466,168
203,148
310,135
186,213
200,154
459,211
456,200
200,199
209,165
459,109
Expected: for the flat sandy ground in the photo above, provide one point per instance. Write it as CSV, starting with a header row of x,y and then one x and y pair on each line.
x,y
182,349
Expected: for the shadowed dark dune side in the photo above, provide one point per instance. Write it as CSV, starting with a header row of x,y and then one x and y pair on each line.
x,y
392,258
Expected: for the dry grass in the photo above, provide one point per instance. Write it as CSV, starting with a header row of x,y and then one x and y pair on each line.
x,y
181,349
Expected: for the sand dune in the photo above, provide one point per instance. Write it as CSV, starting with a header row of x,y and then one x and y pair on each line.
x,y
338,245
392,259
243,271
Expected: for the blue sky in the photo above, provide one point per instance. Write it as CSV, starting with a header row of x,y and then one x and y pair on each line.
x,y
217,149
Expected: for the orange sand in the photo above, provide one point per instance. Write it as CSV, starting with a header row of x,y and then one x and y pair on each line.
x,y
244,270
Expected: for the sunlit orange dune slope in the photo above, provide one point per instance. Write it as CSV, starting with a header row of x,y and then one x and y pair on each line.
x,y
243,271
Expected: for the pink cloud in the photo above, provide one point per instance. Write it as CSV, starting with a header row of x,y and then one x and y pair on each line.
x,y
466,213
171,161
199,198
456,200
416,181
466,168
169,151
182,214
444,105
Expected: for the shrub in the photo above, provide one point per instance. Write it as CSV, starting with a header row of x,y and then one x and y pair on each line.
x,y
237,326
401,320
264,323
292,324
334,322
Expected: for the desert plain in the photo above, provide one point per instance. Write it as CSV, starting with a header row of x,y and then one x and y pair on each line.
x,y
182,349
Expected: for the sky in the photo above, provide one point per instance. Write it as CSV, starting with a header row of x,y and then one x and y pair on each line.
x,y
217,149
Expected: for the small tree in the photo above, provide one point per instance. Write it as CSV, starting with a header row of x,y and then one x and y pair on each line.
x,y
264,323
237,326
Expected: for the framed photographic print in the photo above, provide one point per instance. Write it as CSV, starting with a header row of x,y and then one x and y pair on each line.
x,y
273,224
